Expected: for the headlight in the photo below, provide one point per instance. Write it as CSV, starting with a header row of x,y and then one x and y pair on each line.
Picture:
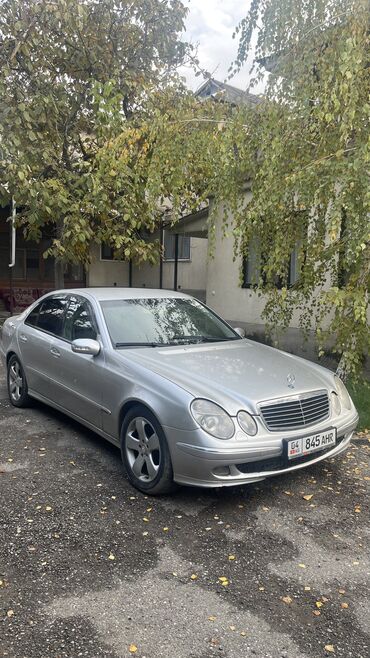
x,y
212,418
343,394
335,404
247,423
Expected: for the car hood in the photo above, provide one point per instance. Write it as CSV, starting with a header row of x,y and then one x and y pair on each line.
x,y
235,375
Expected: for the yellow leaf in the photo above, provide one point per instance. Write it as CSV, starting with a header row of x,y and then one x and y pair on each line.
x,y
308,497
132,648
329,648
193,576
232,628
222,579
231,557
48,508
344,605
287,599
319,604
341,591
317,613
243,633
149,509
10,613
145,519
225,583
145,534
212,618
111,556
358,509
303,566
165,529
307,588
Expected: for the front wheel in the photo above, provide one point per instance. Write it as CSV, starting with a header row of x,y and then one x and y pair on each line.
x,y
17,383
145,453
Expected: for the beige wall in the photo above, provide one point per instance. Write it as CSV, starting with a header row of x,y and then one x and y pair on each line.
x,y
224,292
191,274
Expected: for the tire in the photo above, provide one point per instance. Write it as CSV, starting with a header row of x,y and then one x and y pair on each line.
x,y
17,383
145,453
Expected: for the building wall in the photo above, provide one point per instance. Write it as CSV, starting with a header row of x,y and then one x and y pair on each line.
x,y
106,272
224,292
192,274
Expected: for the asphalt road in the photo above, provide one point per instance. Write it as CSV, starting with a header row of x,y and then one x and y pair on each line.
x,y
90,567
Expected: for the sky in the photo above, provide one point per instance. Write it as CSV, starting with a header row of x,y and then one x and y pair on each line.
x,y
210,25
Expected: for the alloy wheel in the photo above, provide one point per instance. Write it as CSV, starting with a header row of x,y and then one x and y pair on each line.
x,y
16,383
143,449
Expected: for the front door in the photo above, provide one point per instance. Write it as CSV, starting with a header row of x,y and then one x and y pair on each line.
x,y
79,377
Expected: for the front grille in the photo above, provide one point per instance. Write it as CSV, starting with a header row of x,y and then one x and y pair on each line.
x,y
295,412
280,464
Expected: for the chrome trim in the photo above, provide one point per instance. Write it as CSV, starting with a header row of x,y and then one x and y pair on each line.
x,y
272,412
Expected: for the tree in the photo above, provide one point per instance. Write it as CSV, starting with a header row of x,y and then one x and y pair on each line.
x,y
306,150
73,75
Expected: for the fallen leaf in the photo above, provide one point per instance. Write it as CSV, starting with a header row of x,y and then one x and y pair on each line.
x,y
212,618
358,509
145,534
341,591
111,556
303,566
10,613
225,583
231,557
329,648
232,628
344,605
288,493
287,599
145,519
243,633
222,579
193,576
165,529
317,613
48,508
307,588
319,604
132,648
307,496
149,509
261,589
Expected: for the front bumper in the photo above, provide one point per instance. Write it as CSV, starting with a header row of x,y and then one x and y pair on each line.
x,y
201,461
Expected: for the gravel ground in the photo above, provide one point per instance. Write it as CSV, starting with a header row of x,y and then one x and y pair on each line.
x,y
90,567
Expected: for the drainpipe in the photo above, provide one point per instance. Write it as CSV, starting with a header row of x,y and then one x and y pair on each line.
x,y
13,242
176,261
161,257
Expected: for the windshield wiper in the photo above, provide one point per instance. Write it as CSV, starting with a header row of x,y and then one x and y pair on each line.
x,y
151,344
199,339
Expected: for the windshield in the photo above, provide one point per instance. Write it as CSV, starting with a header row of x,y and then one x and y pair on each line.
x,y
163,321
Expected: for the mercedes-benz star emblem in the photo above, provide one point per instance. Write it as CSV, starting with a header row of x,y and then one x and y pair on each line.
x,y
291,380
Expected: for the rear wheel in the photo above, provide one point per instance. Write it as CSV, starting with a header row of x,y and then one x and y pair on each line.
x,y
145,453
17,383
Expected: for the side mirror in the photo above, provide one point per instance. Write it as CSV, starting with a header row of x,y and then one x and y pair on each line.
x,y
86,346
240,331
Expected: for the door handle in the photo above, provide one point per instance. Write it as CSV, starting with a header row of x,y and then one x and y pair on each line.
x,y
55,352
23,338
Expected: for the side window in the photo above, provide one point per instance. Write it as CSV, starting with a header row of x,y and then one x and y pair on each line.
x,y
51,315
32,317
80,321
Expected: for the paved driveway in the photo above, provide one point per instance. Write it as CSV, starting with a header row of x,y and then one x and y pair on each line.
x,y
89,567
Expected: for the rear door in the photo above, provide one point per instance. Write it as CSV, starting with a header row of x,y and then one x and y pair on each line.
x,y
35,336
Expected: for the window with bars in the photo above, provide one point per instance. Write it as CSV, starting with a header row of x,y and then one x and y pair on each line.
x,y
169,246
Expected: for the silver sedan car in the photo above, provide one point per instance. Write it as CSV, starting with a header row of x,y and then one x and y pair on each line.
x,y
185,397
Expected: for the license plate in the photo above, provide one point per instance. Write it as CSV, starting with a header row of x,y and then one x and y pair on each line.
x,y
313,443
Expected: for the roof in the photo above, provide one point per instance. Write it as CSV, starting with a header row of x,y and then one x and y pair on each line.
x,y
212,88
115,293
